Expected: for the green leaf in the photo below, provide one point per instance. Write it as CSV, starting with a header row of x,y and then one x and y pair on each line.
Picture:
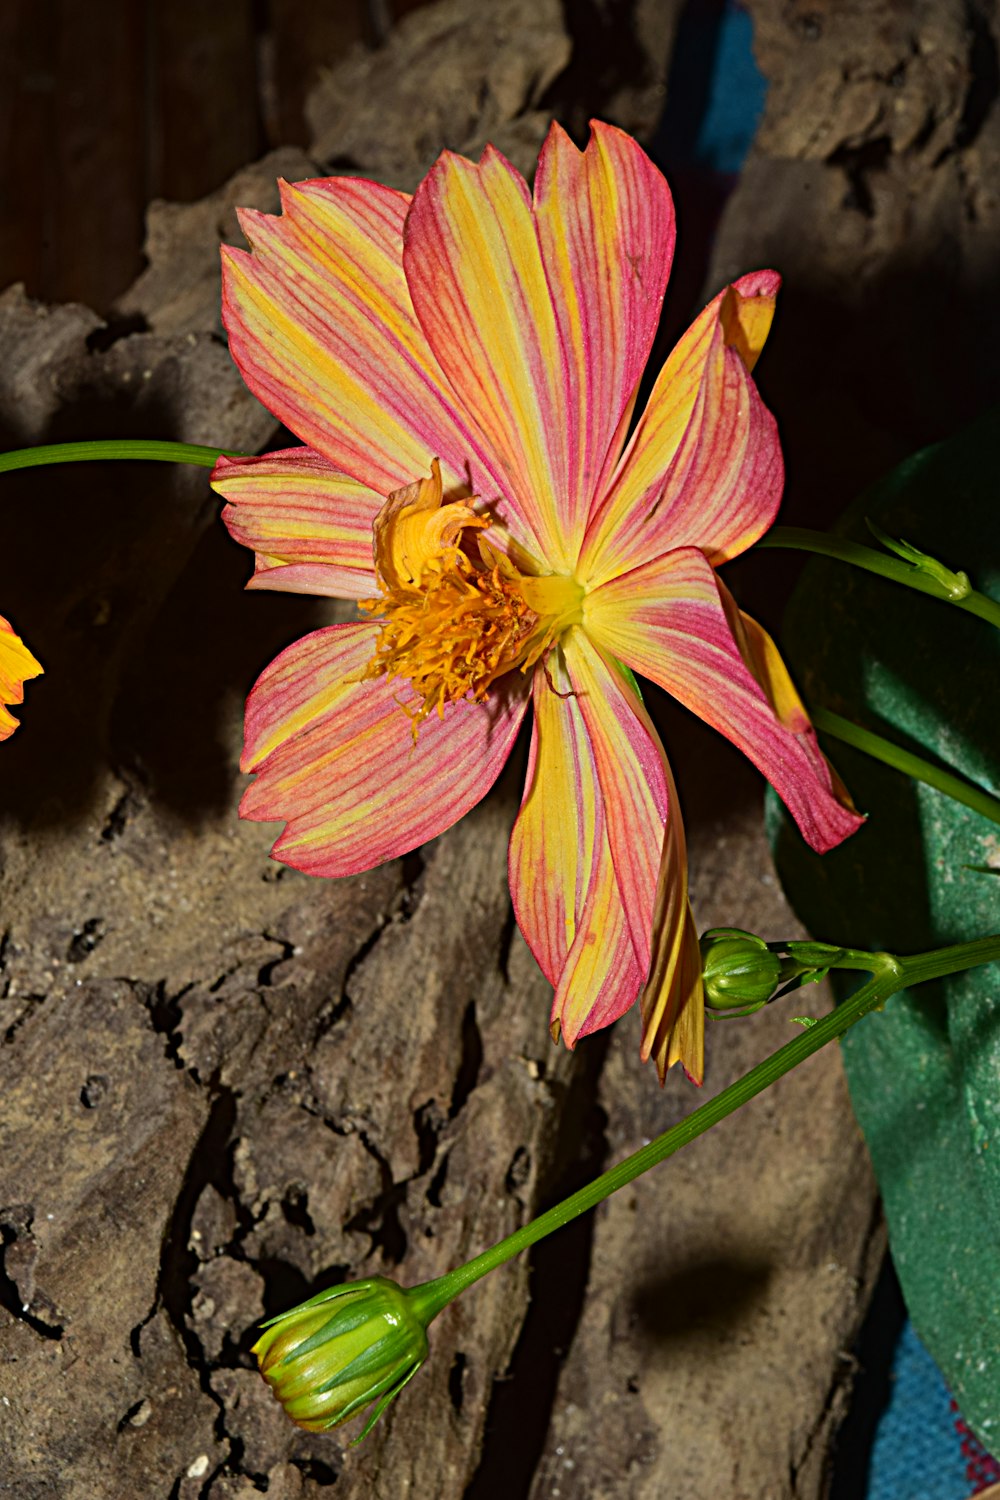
x,y
924,1074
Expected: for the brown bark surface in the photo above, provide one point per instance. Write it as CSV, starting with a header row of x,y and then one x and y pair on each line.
x,y
225,1084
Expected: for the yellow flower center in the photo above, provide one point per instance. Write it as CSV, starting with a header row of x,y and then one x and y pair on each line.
x,y
456,613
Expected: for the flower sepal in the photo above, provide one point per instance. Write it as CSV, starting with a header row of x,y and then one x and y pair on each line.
x,y
342,1350
740,972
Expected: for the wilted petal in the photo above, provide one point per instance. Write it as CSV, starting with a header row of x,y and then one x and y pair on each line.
x,y
704,465
562,878
605,222
336,759
321,326
309,527
673,622
673,1000
17,666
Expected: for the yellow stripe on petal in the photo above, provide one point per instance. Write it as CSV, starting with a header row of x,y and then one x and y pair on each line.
x,y
764,660
605,221
336,761
17,666
645,836
602,976
704,465
309,527
321,326
478,285
672,620
631,768
562,878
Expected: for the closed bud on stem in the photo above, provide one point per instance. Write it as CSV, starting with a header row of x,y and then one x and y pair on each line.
x,y
738,968
332,1356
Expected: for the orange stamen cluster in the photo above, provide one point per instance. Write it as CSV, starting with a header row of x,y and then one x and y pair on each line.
x,y
466,627
452,622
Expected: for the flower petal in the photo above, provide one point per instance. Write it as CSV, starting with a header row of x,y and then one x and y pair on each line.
x,y
649,853
605,223
631,773
321,327
673,621
475,274
673,1001
309,527
704,465
336,759
562,878
17,666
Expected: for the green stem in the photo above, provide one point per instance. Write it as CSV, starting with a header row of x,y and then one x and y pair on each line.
x,y
141,448
890,974
893,755
799,539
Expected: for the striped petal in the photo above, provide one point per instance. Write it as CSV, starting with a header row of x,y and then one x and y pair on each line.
x,y
649,853
322,329
704,465
310,528
335,757
478,285
674,622
17,666
631,773
605,224
562,878
542,314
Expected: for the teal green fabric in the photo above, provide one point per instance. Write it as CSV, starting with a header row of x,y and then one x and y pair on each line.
x,y
925,1074
917,1453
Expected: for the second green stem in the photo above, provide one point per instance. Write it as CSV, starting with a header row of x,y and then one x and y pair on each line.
x,y
800,539
891,974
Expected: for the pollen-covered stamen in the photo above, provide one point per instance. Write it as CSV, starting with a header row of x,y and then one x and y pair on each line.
x,y
453,621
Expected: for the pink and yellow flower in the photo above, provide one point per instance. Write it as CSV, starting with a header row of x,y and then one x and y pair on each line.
x,y
17,666
462,367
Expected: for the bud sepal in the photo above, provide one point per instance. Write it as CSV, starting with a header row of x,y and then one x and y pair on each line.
x,y
347,1347
740,971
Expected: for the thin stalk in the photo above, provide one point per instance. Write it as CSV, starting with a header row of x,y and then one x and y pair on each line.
x,y
893,755
891,974
133,448
799,539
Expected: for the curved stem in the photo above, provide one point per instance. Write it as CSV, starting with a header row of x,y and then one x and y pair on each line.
x,y
892,974
134,448
799,539
894,755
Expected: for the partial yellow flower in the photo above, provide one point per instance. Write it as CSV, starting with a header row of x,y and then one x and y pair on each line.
x,y
17,665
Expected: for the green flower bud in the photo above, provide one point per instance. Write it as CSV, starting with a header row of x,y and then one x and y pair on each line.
x,y
332,1356
955,585
738,968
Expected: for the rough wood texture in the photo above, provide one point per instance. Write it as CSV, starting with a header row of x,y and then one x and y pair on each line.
x,y
514,52
872,184
225,1084
724,1292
